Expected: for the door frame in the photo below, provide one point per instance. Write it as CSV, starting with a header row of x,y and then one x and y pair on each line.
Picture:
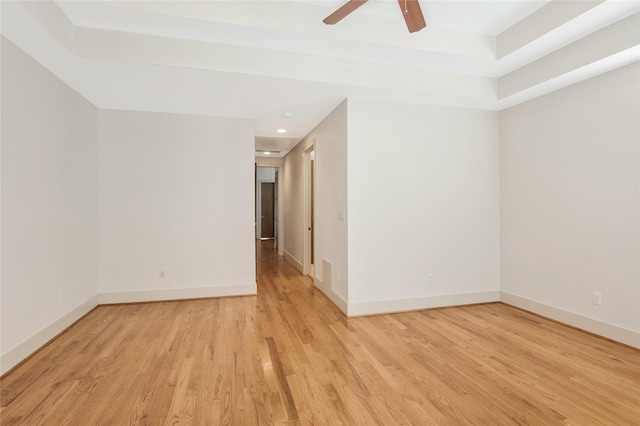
x,y
259,210
308,214
279,204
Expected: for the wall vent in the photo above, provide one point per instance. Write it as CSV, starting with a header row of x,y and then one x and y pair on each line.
x,y
327,273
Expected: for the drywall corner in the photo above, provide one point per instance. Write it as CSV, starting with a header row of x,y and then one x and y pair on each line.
x,y
26,348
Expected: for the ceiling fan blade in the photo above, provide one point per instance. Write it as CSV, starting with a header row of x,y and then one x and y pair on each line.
x,y
343,11
412,15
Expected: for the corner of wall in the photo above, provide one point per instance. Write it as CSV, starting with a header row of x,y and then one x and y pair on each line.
x,y
334,297
25,349
110,298
600,328
291,259
375,307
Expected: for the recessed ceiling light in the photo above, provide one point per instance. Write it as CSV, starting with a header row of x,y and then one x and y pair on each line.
x,y
282,130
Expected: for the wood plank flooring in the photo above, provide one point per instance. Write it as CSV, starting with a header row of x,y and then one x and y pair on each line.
x,y
288,356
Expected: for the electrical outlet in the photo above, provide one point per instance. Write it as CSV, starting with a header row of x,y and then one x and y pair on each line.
x,y
60,296
429,279
596,298
221,271
161,274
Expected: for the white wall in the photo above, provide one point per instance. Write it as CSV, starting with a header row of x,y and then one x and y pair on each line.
x,y
570,204
330,138
266,174
176,195
49,205
423,199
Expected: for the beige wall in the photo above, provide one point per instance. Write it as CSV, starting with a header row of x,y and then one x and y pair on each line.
x,y
269,161
570,212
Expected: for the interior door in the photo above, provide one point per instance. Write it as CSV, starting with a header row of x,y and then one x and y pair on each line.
x,y
267,197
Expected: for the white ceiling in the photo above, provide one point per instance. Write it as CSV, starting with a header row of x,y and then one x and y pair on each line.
x,y
262,59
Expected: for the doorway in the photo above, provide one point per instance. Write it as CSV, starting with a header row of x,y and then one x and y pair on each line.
x,y
267,213
266,203
308,264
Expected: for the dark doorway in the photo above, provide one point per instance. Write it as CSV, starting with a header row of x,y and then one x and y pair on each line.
x,y
267,203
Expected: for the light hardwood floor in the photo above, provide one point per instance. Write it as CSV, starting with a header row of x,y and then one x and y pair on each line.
x,y
288,356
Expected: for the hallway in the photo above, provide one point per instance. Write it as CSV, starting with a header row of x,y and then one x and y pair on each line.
x,y
289,356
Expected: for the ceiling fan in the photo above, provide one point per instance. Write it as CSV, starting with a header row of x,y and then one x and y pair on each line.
x,y
411,12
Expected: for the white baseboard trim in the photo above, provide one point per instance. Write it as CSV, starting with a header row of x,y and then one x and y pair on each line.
x,y
16,355
412,304
176,294
295,262
610,331
337,300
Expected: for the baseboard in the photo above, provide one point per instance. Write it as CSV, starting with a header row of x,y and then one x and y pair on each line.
x,y
412,304
38,340
176,294
293,261
337,300
610,331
